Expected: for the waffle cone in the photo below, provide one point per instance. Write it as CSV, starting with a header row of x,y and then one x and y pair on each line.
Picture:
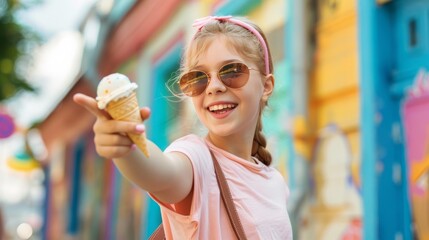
x,y
127,109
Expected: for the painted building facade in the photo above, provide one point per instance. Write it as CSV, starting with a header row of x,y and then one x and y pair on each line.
x,y
393,45
343,128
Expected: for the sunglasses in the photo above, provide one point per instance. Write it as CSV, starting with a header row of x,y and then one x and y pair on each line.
x,y
232,75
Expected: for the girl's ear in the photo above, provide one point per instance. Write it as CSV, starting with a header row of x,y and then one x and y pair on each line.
x,y
268,87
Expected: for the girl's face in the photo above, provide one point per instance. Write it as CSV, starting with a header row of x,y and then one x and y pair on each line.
x,y
229,111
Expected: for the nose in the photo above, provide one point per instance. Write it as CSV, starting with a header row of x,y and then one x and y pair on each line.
x,y
215,85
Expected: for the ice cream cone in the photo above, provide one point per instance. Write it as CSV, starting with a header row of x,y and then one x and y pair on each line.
x,y
127,109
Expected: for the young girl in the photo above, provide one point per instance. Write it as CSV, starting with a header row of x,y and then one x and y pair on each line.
x,y
227,72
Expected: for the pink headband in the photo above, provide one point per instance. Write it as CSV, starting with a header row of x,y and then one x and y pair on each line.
x,y
201,22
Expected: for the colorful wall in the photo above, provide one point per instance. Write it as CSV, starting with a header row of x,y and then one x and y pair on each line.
x,y
344,128
393,47
416,124
327,134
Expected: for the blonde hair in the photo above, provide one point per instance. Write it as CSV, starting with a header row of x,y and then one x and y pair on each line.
x,y
249,47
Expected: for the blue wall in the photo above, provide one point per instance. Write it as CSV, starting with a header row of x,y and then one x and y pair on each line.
x,y
157,130
384,179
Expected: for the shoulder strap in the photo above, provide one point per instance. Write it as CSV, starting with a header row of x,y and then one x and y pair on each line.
x,y
158,234
225,193
227,200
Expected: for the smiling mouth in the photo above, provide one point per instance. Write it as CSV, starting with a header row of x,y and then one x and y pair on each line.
x,y
221,108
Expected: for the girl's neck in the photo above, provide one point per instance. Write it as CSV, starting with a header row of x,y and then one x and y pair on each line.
x,y
241,146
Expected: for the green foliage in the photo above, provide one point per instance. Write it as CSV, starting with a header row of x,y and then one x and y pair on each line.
x,y
13,36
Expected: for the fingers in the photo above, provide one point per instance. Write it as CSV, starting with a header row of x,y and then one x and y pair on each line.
x,y
113,126
107,140
145,113
111,137
114,152
114,145
90,104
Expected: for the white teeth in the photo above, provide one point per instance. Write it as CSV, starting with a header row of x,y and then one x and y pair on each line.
x,y
221,107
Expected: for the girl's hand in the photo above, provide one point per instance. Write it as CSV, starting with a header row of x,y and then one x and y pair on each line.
x,y
111,140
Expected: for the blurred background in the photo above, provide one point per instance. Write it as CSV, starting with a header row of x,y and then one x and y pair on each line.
x,y
348,124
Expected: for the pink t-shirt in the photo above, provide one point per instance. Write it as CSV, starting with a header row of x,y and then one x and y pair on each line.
x,y
259,193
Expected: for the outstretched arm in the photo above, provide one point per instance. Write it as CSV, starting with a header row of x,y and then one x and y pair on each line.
x,y
167,176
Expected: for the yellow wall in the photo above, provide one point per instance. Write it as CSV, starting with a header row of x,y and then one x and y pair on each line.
x,y
336,210
334,86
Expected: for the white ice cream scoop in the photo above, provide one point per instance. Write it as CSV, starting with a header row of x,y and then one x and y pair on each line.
x,y
112,88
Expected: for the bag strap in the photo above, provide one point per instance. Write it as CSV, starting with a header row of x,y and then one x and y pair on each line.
x,y
158,234
225,193
227,200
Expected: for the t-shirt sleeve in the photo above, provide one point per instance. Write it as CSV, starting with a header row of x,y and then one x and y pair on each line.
x,y
197,151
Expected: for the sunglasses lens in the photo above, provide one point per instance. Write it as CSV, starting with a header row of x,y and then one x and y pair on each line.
x,y
193,83
234,75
